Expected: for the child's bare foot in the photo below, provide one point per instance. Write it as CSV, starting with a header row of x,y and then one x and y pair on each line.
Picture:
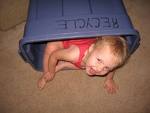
x,y
44,79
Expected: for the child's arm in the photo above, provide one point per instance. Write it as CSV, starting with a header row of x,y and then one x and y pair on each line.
x,y
110,84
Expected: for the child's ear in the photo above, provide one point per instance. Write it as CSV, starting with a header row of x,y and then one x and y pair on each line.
x,y
91,47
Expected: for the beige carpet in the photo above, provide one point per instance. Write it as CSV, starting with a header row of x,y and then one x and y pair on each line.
x,y
72,91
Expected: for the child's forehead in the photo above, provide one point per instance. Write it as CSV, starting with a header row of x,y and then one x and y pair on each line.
x,y
103,48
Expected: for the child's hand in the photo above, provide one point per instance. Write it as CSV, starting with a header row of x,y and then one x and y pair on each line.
x,y
110,86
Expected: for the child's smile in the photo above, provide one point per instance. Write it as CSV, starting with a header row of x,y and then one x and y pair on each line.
x,y
92,71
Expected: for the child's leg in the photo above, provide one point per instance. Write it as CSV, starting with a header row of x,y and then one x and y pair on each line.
x,y
62,65
50,48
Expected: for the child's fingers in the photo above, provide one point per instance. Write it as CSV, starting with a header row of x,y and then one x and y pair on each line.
x,y
108,89
111,89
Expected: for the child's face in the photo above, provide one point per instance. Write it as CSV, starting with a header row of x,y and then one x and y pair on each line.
x,y
101,61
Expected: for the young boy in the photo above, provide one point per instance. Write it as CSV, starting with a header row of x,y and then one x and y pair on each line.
x,y
98,56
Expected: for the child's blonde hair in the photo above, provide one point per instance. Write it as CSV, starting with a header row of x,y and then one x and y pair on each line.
x,y
118,46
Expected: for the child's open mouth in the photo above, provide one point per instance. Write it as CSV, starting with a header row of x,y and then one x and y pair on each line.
x,y
92,71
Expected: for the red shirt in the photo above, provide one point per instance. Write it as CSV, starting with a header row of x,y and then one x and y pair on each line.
x,y
83,45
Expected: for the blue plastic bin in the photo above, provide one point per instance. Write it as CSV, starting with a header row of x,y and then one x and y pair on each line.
x,y
51,20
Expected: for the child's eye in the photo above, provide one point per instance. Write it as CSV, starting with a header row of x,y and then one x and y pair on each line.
x,y
99,60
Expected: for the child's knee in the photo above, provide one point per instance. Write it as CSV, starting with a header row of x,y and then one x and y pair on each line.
x,y
50,48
